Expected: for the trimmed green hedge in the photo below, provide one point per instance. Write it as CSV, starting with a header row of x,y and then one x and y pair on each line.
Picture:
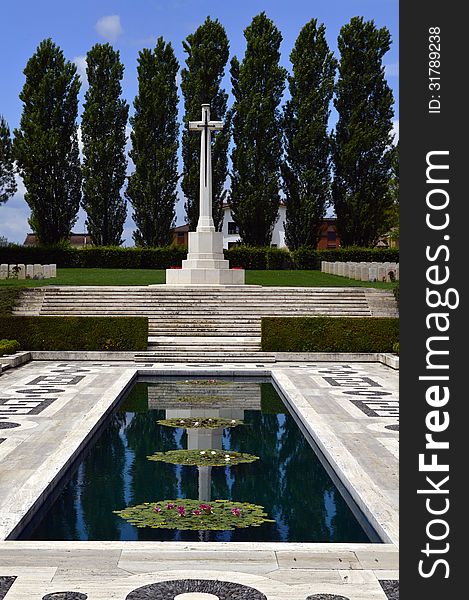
x,y
9,347
356,254
329,334
76,333
95,257
247,257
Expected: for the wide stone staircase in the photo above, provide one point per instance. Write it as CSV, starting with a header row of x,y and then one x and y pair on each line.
x,y
205,324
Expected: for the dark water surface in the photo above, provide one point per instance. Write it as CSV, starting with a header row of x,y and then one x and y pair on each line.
x,y
288,479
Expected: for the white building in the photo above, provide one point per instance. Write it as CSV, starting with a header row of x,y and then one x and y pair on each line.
x,y
230,231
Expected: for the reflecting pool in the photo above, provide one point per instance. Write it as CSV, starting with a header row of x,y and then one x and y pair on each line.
x,y
288,479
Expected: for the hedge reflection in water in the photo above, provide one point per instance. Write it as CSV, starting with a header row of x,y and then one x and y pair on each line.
x,y
288,480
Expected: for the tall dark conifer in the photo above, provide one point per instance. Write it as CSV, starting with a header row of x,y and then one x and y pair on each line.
x,y
46,143
152,187
7,167
207,52
258,84
104,137
362,153
306,171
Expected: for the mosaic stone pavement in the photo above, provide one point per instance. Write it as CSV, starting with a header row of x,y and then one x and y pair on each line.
x,y
391,588
5,585
224,590
49,409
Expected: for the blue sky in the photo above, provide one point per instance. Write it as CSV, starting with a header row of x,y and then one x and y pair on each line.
x,y
130,26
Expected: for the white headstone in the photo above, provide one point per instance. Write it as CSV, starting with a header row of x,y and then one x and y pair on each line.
x,y
46,271
38,271
3,271
390,271
365,273
21,272
53,270
13,271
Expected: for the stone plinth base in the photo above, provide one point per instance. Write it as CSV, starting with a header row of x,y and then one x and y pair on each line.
x,y
205,263
204,277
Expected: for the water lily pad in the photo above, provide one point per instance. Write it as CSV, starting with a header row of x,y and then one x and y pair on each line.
x,y
184,514
203,458
200,422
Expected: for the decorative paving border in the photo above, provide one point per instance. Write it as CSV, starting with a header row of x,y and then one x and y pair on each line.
x,y
5,584
167,590
390,588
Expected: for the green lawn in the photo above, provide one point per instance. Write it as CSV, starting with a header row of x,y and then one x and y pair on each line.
x,y
149,276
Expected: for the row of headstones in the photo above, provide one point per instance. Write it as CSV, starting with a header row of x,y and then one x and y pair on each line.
x,y
27,271
363,271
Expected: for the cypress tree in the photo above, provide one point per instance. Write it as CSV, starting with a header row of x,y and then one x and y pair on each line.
x,y
392,221
104,137
46,143
258,84
306,171
7,167
152,187
362,153
207,54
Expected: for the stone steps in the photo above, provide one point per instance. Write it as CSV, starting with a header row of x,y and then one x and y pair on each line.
x,y
222,332
195,357
229,341
206,324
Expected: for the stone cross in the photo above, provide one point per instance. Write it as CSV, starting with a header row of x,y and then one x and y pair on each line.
x,y
205,126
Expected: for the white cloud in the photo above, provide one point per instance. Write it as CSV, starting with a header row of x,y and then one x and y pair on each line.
x,y
109,27
392,70
395,130
80,63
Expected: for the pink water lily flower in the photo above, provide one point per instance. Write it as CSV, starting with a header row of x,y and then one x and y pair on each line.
x,y
236,512
182,511
157,509
196,512
170,506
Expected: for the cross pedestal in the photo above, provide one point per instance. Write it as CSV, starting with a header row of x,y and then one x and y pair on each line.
x,y
205,263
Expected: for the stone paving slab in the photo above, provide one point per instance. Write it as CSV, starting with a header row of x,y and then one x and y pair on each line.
x,y
347,408
100,568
